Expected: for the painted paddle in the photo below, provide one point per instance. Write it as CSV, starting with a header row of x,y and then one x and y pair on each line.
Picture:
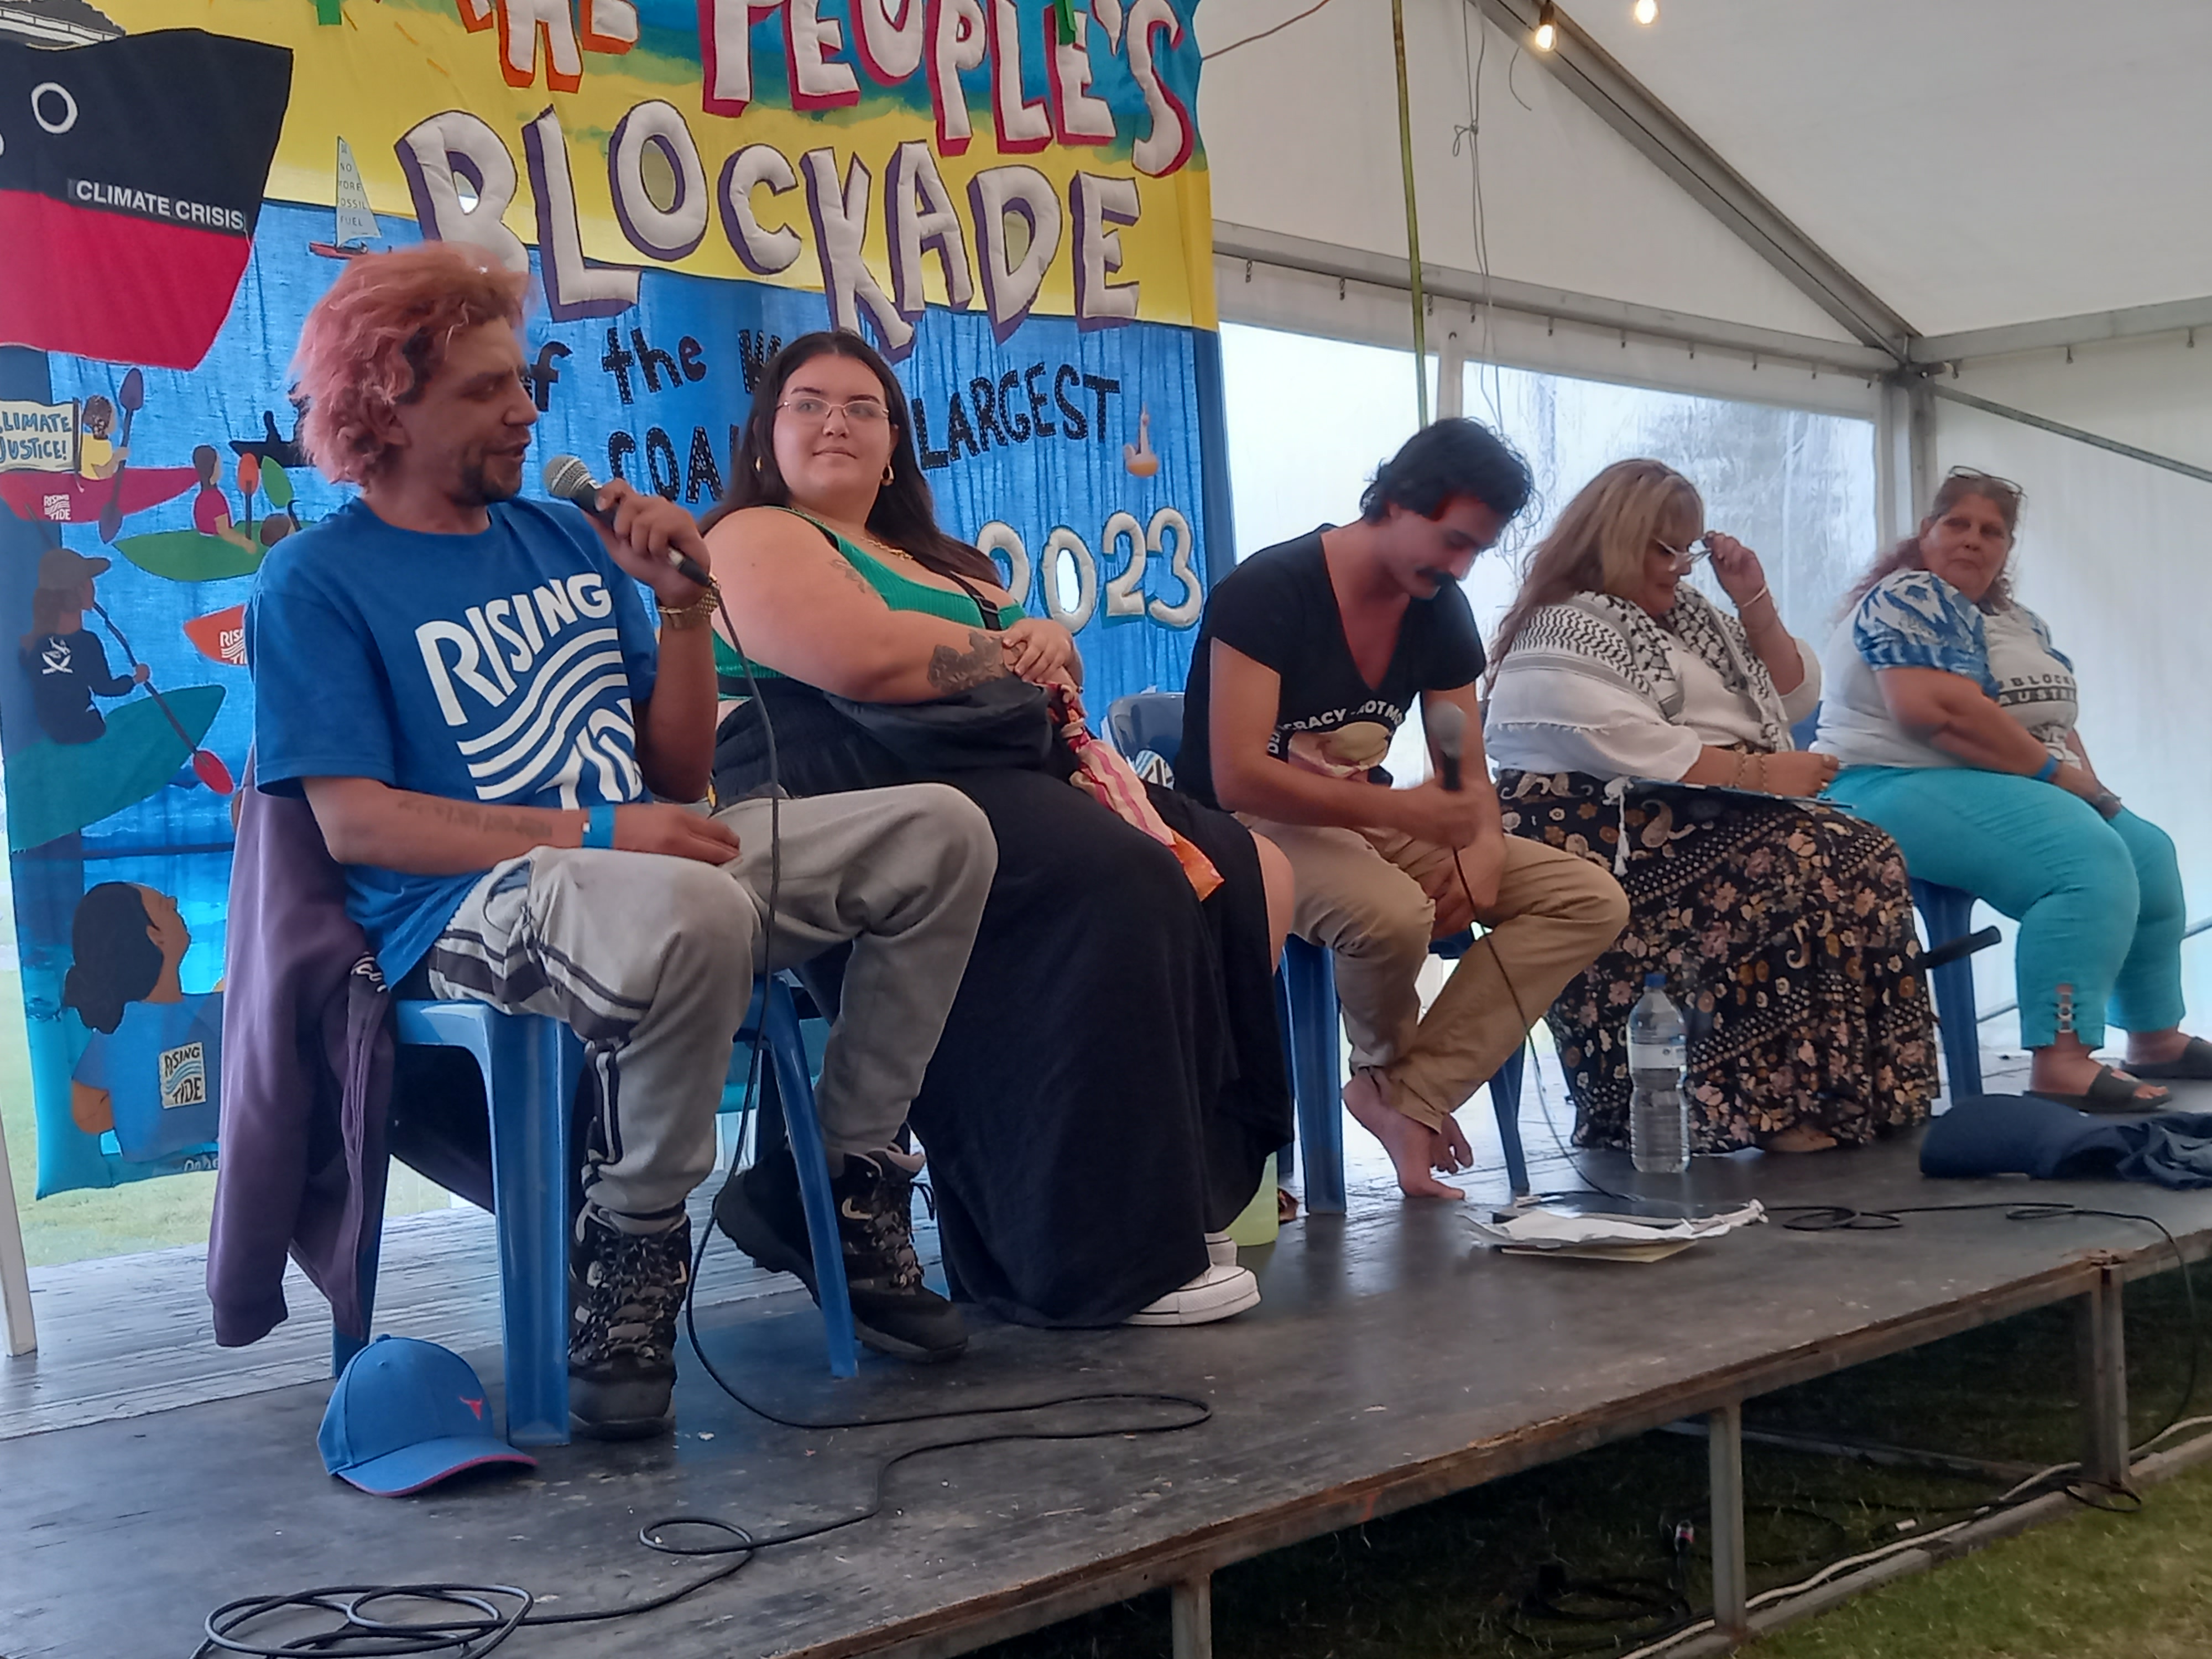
x,y
131,394
211,770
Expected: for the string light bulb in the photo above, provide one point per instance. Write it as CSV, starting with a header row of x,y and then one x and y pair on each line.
x,y
1547,29
1646,12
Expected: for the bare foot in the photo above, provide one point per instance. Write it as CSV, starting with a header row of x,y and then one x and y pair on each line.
x,y
1798,1138
1413,1147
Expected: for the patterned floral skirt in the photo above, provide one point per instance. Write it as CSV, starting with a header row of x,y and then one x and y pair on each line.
x,y
1784,932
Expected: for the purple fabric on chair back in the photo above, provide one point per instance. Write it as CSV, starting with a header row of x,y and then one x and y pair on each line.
x,y
307,1078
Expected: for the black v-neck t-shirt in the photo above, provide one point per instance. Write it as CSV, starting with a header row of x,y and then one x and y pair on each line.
x,y
1278,609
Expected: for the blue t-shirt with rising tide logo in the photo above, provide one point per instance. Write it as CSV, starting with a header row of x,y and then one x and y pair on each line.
x,y
505,667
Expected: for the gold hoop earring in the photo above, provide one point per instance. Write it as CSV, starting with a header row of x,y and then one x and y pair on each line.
x,y
888,476
757,466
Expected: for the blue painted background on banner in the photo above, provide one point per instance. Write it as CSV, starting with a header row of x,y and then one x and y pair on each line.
x,y
1081,450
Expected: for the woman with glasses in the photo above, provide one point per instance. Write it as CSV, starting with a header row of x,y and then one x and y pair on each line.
x,y
1953,715
1636,723
1110,1080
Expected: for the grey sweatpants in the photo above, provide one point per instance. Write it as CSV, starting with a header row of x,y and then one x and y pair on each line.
x,y
650,960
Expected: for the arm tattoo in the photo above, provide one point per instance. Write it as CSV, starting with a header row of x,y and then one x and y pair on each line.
x,y
845,568
539,826
957,671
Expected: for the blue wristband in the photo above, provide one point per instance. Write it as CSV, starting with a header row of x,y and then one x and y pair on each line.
x,y
2050,770
599,827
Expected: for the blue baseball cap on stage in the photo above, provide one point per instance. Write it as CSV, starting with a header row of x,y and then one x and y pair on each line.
x,y
404,1415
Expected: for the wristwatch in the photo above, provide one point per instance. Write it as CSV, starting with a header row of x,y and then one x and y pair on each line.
x,y
697,614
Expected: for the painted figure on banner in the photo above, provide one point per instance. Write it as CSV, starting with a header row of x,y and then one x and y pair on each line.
x,y
149,1075
97,455
67,663
211,514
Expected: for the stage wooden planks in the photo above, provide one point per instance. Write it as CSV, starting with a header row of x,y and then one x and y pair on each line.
x,y
1390,1363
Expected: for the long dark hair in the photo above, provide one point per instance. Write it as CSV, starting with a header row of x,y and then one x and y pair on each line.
x,y
1961,482
115,962
905,513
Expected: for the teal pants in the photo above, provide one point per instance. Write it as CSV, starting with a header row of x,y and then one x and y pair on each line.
x,y
2099,904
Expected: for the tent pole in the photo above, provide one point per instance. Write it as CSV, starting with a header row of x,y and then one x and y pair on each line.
x,y
1412,216
1920,403
1951,394
21,1329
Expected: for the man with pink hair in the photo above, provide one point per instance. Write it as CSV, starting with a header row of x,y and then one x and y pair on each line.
x,y
467,690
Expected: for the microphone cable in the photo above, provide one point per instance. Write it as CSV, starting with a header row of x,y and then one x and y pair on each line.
x,y
474,1621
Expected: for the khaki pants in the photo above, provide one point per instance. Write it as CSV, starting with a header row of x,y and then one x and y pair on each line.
x,y
1554,914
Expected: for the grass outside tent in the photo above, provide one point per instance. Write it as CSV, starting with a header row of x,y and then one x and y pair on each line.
x,y
140,1215
2091,1587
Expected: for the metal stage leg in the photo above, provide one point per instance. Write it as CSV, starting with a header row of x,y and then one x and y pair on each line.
x,y
2101,1345
1190,1610
1724,1460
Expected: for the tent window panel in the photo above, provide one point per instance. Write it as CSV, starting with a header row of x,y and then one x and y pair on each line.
x,y
1309,419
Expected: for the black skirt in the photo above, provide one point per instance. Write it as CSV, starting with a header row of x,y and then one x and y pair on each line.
x,y
1110,1080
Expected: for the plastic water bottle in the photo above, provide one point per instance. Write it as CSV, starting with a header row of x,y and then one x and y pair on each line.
x,y
1659,1109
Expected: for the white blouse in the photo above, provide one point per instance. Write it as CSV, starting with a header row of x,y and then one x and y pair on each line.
x,y
1547,720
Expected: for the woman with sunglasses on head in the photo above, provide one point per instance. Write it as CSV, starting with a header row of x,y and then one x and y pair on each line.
x,y
1785,928
1111,1079
1953,715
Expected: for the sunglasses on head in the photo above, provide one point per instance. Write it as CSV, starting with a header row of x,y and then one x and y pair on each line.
x,y
1984,482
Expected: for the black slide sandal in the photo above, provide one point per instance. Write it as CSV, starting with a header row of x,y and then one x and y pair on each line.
x,y
2110,1096
2193,1064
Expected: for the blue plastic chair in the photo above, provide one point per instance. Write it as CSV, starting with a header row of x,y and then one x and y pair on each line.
x,y
1948,914
1305,992
530,1065
1147,719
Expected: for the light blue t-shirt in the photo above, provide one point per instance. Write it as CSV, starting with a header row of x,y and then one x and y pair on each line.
x,y
505,667
161,1068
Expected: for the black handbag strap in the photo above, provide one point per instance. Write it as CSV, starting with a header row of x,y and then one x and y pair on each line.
x,y
989,611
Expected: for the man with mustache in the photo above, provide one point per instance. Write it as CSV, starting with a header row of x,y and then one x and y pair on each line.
x,y
1310,656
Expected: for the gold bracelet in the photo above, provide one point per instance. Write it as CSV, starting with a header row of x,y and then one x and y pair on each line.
x,y
697,614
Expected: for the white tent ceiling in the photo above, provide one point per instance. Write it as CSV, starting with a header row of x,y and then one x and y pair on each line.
x,y
1974,164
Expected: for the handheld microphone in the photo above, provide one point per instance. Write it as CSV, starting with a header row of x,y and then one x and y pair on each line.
x,y
1447,727
568,479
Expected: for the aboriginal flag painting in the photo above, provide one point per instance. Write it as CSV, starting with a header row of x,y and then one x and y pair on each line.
x,y
131,174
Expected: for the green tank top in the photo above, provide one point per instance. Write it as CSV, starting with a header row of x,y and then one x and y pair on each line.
x,y
899,591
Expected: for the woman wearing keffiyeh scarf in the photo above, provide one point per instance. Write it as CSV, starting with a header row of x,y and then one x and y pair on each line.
x,y
1783,927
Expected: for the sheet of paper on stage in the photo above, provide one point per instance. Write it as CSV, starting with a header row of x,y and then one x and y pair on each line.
x,y
1539,1229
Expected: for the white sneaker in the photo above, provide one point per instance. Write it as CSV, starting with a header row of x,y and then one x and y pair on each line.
x,y
1220,1249
1217,1293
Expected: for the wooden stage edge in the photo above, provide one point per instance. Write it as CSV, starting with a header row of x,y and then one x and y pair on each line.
x,y
1391,1362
